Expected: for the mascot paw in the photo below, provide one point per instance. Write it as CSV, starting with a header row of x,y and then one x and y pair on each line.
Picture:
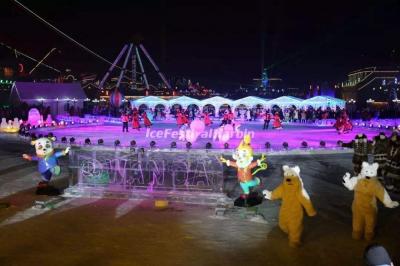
x,y
312,214
67,150
393,204
347,181
267,194
346,177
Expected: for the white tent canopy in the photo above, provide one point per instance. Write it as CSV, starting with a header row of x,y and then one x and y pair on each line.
x,y
285,101
323,102
217,102
150,102
250,102
184,101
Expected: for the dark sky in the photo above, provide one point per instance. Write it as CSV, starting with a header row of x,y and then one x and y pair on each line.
x,y
215,42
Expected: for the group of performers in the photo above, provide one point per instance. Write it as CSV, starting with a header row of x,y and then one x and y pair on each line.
x,y
386,153
182,118
134,118
277,124
228,118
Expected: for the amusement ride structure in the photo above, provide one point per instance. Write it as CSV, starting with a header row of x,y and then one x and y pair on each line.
x,y
137,79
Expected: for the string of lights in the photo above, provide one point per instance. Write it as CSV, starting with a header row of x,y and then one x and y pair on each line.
x,y
29,57
64,34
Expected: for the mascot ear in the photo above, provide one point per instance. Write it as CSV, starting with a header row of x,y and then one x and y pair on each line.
x,y
285,168
375,166
33,142
297,170
52,138
247,139
365,164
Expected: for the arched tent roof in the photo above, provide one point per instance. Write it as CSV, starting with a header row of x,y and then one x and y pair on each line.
x,y
217,101
324,102
184,101
150,101
250,101
285,101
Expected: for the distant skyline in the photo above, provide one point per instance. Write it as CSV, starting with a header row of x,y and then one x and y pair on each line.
x,y
215,42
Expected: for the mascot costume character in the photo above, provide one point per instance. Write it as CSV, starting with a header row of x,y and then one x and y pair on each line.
x,y
294,199
47,163
361,147
392,167
380,147
243,156
366,189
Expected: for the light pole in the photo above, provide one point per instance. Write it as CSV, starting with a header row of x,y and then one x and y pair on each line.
x,y
396,110
352,105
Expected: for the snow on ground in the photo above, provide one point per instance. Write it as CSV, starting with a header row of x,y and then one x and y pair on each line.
x,y
120,232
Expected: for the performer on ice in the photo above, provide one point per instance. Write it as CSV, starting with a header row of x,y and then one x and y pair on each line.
x,y
225,118
125,120
277,122
207,120
146,120
343,124
135,120
244,164
267,119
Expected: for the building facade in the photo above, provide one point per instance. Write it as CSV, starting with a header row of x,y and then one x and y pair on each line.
x,y
372,85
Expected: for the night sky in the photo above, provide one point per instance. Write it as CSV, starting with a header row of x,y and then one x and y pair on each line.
x,y
215,42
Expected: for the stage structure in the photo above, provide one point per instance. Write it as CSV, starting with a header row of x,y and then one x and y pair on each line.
x,y
131,51
247,102
176,175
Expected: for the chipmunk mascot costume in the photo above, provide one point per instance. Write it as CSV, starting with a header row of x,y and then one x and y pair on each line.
x,y
294,199
243,156
366,189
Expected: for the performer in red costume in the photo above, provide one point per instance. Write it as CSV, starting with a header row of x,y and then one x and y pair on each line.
x,y
135,120
146,120
207,120
277,122
231,117
185,118
179,119
343,124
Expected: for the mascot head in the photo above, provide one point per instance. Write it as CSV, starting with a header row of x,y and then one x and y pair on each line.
x,y
244,153
369,170
379,138
381,135
394,138
361,138
43,146
292,181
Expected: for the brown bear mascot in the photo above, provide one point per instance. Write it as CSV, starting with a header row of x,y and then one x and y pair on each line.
x,y
294,199
366,189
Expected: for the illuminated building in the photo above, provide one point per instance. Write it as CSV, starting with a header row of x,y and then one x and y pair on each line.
x,y
371,85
